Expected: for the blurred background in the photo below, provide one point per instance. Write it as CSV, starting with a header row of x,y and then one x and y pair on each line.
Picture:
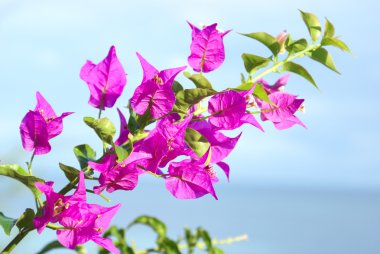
x,y
314,190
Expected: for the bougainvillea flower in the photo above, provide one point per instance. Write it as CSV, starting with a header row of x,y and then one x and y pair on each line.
x,y
228,111
56,204
276,87
54,122
118,176
155,91
155,145
174,134
124,132
106,80
221,146
207,49
86,222
189,179
39,126
282,114
34,136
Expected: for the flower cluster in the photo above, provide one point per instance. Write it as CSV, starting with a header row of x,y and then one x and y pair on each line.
x,y
184,128
80,221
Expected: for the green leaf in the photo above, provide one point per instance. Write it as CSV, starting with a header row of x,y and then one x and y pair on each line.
x,y
203,234
322,56
188,97
194,96
103,127
133,124
120,241
154,223
191,240
121,152
25,221
7,223
329,29
51,246
84,154
17,173
268,40
70,172
244,87
196,141
216,250
176,87
296,46
335,42
253,63
313,24
260,93
242,78
200,81
168,246
298,69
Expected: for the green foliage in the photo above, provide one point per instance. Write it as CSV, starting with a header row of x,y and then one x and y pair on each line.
x,y
313,25
25,221
322,56
335,42
196,141
188,97
295,46
103,127
19,174
84,154
329,29
51,246
199,239
298,69
199,81
260,93
70,172
253,63
154,223
268,40
7,223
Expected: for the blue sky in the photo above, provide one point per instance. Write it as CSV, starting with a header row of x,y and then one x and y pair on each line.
x,y
43,45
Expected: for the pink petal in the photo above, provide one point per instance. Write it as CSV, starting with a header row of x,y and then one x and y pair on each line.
x,y
207,49
105,80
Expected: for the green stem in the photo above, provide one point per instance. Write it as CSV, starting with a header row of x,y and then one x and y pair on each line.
x,y
54,227
288,59
15,241
100,195
68,187
100,113
30,163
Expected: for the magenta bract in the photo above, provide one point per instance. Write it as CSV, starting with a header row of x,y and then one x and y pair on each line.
x,y
124,132
83,221
221,145
207,49
189,179
106,80
282,115
278,86
118,176
39,126
155,91
228,111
